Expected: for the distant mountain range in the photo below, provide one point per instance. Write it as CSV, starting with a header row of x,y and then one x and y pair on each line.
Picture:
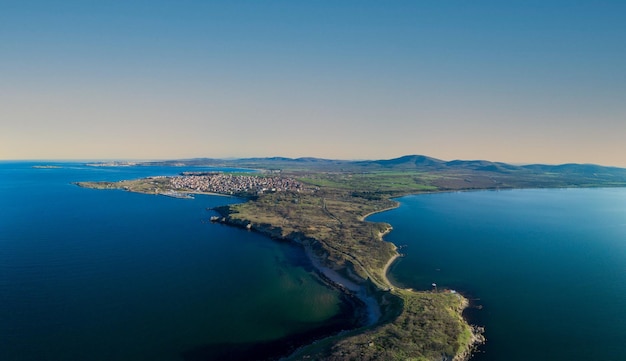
x,y
473,173
407,162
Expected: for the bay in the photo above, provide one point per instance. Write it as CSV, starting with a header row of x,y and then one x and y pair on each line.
x,y
547,267
111,275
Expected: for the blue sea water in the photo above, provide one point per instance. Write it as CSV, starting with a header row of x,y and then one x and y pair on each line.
x,y
546,268
110,275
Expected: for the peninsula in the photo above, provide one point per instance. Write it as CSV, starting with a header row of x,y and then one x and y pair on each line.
x,y
322,205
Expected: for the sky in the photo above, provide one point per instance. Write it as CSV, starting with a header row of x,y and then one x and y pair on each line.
x,y
513,81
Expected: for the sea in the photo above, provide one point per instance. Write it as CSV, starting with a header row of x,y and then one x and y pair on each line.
x,y
545,269
90,274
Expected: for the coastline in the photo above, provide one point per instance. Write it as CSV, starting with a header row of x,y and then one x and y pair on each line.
x,y
209,194
381,237
382,266
327,274
373,307
359,275
477,337
476,332
394,206
386,270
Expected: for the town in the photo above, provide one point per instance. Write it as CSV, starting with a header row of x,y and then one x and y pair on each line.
x,y
236,184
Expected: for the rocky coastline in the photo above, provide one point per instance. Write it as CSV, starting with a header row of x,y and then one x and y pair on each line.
x,y
368,310
349,254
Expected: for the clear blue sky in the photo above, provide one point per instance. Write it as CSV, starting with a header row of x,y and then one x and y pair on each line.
x,y
514,81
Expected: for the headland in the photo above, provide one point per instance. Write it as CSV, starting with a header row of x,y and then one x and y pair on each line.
x,y
322,206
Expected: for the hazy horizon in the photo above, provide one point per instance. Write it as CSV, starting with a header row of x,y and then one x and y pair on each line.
x,y
515,82
137,160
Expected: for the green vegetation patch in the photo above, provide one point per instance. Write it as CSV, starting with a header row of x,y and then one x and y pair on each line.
x,y
429,327
375,182
156,185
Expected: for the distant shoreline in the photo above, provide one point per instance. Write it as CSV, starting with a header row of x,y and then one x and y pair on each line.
x,y
46,167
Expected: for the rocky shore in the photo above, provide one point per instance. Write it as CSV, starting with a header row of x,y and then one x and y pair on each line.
x,y
358,289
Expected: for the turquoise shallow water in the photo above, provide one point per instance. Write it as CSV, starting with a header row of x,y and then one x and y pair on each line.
x,y
548,267
110,275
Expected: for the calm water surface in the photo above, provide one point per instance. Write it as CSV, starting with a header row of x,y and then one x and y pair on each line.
x,y
547,266
110,275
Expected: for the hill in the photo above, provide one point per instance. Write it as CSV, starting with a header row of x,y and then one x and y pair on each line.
x,y
430,172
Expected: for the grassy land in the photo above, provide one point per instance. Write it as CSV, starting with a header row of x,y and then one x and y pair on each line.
x,y
327,220
428,326
146,185
414,325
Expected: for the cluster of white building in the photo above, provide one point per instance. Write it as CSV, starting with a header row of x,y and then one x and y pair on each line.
x,y
232,184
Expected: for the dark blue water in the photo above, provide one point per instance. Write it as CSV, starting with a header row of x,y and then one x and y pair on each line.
x,y
111,275
548,267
